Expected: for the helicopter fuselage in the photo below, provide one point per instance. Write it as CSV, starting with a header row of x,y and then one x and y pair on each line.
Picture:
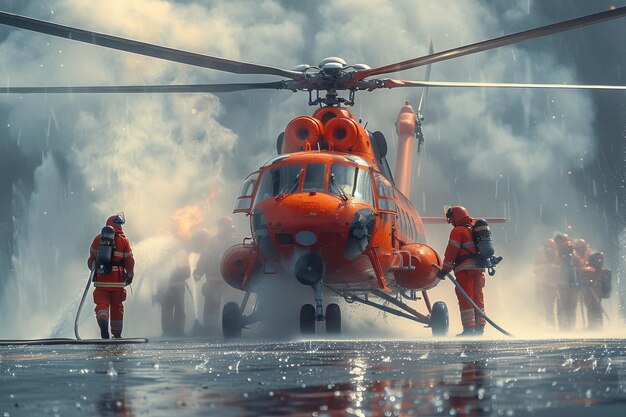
x,y
323,215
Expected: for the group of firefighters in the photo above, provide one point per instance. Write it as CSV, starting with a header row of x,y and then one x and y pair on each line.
x,y
570,273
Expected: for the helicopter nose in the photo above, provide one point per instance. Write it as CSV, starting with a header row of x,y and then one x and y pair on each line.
x,y
309,268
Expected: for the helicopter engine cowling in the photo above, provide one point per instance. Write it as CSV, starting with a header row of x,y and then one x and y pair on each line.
x,y
302,133
326,114
341,134
423,275
234,264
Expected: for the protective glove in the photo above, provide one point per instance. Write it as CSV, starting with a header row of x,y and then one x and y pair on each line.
x,y
128,277
442,274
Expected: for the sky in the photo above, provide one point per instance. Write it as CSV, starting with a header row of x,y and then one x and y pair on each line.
x,y
547,161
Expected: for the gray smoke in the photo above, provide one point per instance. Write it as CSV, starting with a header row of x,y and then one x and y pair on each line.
x,y
532,156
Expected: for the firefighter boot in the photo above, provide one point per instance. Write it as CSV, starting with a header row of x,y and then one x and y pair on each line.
x,y
479,330
467,331
104,328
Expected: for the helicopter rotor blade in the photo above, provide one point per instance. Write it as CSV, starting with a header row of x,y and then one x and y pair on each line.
x,y
419,133
420,106
493,43
196,88
390,83
142,48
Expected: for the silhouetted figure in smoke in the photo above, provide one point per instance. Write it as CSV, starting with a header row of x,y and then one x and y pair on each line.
x,y
209,266
545,287
172,296
596,286
568,272
112,257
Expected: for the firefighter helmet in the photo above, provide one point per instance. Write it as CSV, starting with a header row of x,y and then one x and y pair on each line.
x,y
581,247
596,260
116,221
455,215
564,245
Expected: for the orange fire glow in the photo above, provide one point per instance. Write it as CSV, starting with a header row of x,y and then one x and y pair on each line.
x,y
186,218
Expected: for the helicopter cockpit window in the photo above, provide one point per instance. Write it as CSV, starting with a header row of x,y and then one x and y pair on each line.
x,y
386,199
314,178
354,182
244,202
276,181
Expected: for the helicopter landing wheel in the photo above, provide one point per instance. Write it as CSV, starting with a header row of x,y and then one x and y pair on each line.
x,y
439,322
232,321
333,319
307,320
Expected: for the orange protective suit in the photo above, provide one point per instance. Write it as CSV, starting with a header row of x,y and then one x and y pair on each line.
x,y
110,293
469,274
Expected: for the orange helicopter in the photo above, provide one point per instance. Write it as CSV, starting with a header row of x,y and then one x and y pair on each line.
x,y
327,210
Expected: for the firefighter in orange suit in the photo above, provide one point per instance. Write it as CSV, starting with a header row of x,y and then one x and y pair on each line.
x,y
111,276
460,257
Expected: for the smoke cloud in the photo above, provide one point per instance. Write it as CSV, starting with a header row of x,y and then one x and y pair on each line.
x,y
530,156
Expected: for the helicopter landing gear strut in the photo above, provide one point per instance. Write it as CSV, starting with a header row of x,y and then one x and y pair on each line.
x,y
310,315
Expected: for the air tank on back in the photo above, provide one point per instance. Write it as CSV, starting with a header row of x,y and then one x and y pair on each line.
x,y
482,237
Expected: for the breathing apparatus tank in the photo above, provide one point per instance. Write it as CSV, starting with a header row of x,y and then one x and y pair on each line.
x,y
482,239
106,247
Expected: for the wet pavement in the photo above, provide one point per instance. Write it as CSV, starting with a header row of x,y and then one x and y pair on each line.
x,y
447,377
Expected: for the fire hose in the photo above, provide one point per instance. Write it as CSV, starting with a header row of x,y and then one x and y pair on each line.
x,y
82,300
478,311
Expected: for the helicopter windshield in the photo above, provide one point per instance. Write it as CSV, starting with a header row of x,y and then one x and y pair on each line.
x,y
352,181
345,180
314,178
276,181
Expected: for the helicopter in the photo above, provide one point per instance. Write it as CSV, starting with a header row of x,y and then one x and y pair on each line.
x,y
327,210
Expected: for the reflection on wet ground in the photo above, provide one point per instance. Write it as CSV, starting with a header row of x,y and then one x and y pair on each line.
x,y
317,378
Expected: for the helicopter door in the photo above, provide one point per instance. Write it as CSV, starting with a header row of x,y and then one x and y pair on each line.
x,y
386,199
246,194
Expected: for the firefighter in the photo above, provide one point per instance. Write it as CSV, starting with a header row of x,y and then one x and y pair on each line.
x,y
581,248
112,257
461,257
597,285
209,266
172,296
568,273
545,287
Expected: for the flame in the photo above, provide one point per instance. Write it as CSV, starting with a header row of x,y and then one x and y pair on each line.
x,y
212,193
186,218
